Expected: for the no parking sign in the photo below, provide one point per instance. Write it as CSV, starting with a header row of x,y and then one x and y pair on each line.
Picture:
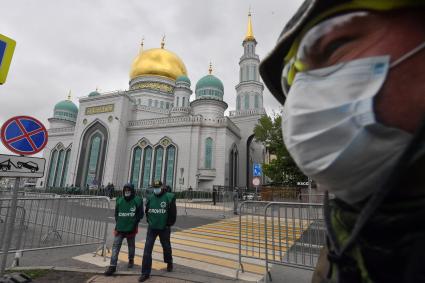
x,y
24,135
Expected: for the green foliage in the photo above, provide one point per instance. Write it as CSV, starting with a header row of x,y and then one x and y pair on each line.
x,y
282,169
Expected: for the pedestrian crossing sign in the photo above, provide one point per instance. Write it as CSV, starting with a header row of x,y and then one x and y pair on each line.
x,y
7,46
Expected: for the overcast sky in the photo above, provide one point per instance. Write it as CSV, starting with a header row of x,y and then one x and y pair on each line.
x,y
79,45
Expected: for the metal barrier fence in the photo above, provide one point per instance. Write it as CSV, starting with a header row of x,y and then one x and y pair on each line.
x,y
52,222
282,233
223,202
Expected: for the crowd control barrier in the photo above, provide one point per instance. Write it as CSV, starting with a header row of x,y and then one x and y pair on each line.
x,y
52,222
281,233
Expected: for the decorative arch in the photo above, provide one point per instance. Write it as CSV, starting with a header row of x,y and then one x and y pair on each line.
x,y
58,165
153,162
208,153
249,164
65,166
164,161
246,101
140,163
92,155
233,166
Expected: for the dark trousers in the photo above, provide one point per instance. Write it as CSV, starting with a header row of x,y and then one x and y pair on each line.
x,y
164,238
116,246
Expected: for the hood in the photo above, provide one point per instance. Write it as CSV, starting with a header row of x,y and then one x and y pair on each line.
x,y
131,187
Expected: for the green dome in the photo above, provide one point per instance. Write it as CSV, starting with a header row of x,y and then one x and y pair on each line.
x,y
183,78
66,105
209,87
210,81
94,93
66,110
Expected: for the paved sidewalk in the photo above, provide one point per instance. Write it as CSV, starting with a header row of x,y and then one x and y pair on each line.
x,y
132,279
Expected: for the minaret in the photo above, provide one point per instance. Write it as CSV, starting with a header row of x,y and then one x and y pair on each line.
x,y
250,88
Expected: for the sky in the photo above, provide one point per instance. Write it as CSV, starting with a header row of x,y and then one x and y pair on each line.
x,y
78,45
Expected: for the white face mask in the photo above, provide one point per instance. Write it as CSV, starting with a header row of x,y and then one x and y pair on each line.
x,y
157,191
330,130
127,193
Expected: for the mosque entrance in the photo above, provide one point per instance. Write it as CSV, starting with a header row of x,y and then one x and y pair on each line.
x,y
92,157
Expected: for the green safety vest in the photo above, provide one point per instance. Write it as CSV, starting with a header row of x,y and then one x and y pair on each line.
x,y
127,213
158,210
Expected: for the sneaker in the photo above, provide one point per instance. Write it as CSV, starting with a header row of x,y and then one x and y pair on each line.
x,y
143,278
170,267
130,263
111,270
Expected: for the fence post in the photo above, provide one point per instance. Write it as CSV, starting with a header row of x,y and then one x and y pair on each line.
x,y
240,242
10,224
266,247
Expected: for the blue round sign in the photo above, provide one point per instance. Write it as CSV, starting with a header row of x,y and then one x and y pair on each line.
x,y
24,135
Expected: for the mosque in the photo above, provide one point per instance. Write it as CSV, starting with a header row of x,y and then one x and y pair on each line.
x,y
157,130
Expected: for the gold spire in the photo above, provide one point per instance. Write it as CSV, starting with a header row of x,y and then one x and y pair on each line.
x,y
69,95
210,69
163,42
141,44
249,33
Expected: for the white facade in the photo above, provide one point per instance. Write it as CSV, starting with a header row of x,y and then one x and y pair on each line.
x,y
153,131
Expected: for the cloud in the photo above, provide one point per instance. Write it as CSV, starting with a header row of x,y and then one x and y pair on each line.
x,y
78,45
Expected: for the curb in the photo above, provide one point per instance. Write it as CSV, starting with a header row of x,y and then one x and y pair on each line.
x,y
175,275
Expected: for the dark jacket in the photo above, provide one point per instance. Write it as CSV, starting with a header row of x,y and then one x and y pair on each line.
x,y
392,243
171,209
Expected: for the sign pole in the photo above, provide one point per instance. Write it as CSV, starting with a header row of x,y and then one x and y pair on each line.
x,y
10,224
309,189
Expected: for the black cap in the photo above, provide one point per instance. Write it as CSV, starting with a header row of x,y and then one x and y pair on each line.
x,y
157,184
272,65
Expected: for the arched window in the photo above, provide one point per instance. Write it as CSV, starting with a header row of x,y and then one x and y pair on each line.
x,y
150,102
161,104
167,105
93,162
135,166
92,156
159,156
256,101
246,101
184,101
65,168
208,153
53,160
233,167
147,161
238,102
59,167
169,169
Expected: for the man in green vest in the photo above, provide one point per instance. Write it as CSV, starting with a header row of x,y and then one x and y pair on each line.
x,y
161,213
128,212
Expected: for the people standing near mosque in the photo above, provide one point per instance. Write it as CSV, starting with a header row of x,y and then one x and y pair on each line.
x,y
128,213
161,214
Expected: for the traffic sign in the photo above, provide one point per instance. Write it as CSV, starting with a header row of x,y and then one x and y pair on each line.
x,y
24,135
7,46
256,181
21,166
257,170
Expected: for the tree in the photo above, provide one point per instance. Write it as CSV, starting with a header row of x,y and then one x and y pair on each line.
x,y
282,169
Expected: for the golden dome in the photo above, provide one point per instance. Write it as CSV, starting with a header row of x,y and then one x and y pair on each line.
x,y
157,62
